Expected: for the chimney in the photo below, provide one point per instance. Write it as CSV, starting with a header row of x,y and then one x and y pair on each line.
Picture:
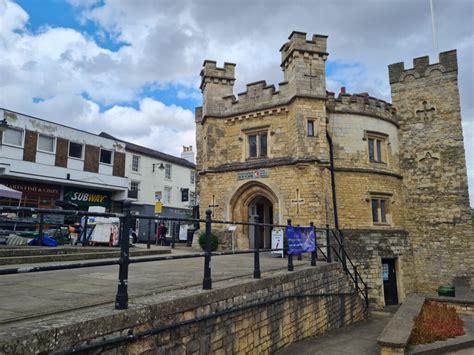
x,y
188,153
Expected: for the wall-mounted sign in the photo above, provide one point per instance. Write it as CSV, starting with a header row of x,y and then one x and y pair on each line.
x,y
33,189
86,197
255,174
158,206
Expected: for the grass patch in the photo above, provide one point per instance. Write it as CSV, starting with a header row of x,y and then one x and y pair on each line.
x,y
436,321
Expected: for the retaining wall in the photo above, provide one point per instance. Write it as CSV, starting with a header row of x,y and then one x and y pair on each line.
x,y
237,316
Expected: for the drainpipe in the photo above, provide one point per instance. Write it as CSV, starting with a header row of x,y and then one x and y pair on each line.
x,y
333,179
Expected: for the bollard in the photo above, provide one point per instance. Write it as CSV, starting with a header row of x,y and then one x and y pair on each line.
x,y
84,235
256,254
40,230
328,245
207,281
148,242
121,299
172,234
313,253
290,256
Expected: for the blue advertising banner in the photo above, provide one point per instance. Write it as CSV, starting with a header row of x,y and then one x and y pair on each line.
x,y
300,240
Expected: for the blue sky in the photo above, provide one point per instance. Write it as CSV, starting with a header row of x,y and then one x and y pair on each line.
x,y
131,67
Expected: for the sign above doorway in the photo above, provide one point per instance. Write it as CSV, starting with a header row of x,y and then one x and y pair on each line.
x,y
254,174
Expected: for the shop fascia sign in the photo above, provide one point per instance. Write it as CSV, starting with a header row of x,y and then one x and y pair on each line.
x,y
88,197
253,174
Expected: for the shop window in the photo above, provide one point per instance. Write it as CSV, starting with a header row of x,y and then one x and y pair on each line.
x,y
168,171
105,156
257,145
310,128
76,150
135,163
167,194
377,147
13,137
380,209
46,143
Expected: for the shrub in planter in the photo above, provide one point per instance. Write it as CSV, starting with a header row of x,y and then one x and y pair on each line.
x,y
436,322
214,241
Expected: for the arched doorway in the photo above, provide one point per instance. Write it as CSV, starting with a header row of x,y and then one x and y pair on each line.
x,y
262,208
250,199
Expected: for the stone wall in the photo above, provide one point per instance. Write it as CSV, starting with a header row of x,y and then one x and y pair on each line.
x,y
354,190
367,248
433,165
258,316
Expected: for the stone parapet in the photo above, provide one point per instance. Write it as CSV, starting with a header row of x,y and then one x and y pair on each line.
x,y
362,104
422,67
298,44
237,316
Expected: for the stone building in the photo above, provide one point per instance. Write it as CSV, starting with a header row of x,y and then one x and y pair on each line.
x,y
400,174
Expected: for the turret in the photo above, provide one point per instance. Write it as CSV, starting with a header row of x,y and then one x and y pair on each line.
x,y
215,84
303,64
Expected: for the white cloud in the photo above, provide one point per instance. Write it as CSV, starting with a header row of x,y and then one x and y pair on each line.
x,y
167,41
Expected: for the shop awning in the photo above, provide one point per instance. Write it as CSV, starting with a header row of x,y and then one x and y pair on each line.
x,y
9,193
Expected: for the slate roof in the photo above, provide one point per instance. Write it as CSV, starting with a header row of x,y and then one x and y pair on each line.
x,y
151,152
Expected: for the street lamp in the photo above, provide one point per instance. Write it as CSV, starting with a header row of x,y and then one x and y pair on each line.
x,y
160,166
3,125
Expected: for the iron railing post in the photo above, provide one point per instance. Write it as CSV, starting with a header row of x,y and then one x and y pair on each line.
x,y
121,299
84,236
343,249
328,245
356,279
313,253
256,254
172,235
207,281
290,256
366,297
40,229
148,242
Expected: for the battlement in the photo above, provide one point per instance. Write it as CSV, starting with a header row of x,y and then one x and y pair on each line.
x,y
211,73
299,44
361,104
422,67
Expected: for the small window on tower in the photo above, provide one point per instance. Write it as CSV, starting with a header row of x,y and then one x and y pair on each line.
x,y
310,128
257,144
380,209
377,147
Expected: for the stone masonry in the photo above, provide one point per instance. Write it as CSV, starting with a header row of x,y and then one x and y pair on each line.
x,y
409,154
432,162
257,317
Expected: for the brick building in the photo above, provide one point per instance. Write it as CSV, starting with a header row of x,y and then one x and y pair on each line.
x,y
400,172
48,161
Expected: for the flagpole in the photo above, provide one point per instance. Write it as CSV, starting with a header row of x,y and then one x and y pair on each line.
x,y
435,46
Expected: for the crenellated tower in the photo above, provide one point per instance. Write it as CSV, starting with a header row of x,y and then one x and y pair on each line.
x,y
432,162
216,83
303,64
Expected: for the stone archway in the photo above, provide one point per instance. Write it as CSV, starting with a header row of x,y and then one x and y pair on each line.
x,y
246,196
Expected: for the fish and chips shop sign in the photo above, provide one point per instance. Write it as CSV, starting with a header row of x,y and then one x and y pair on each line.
x,y
255,174
86,197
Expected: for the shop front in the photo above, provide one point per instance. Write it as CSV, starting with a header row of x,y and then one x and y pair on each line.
x,y
85,198
36,195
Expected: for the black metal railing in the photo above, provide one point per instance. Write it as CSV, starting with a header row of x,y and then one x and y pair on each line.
x,y
327,250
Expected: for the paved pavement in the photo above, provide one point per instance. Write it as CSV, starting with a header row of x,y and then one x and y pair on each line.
x,y
357,339
28,295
